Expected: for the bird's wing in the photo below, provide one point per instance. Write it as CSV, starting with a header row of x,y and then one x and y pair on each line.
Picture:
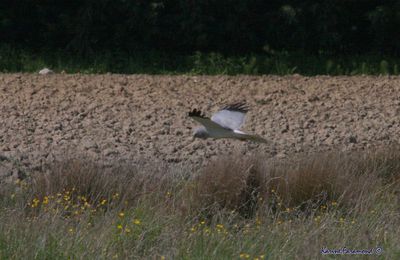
x,y
231,116
243,136
205,121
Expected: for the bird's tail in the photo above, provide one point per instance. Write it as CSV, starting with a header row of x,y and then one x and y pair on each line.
x,y
255,138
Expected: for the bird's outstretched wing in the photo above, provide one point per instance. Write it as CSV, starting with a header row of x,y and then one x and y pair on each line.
x,y
231,116
205,121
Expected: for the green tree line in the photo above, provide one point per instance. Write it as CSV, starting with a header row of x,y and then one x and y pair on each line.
x,y
186,26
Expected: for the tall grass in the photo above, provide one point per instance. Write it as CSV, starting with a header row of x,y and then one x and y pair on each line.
x,y
233,208
278,63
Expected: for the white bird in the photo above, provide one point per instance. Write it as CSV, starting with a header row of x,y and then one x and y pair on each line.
x,y
224,124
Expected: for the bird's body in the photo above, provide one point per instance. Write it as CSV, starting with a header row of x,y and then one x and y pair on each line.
x,y
224,124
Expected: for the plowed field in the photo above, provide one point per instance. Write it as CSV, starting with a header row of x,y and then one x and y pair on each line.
x,y
142,117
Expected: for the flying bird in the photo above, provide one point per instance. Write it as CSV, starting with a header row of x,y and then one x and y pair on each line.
x,y
224,124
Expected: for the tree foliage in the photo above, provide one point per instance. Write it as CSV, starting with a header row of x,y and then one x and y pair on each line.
x,y
185,26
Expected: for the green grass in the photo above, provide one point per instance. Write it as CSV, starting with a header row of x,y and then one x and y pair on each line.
x,y
251,208
277,63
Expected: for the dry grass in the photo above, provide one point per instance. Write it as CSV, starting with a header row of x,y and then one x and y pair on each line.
x,y
226,184
305,184
97,182
250,208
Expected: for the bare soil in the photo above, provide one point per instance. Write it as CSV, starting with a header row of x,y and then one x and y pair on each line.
x,y
144,118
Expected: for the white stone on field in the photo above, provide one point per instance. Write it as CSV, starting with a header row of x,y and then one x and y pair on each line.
x,y
45,71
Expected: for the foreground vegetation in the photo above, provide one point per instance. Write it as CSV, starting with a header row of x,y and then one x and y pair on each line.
x,y
231,209
271,62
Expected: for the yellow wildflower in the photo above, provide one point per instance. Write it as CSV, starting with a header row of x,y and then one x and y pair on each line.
x,y
220,226
35,203
119,226
121,214
136,221
45,200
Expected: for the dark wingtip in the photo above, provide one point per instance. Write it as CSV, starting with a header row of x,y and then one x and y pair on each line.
x,y
196,113
237,107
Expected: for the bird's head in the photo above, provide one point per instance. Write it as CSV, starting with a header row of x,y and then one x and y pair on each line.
x,y
201,132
